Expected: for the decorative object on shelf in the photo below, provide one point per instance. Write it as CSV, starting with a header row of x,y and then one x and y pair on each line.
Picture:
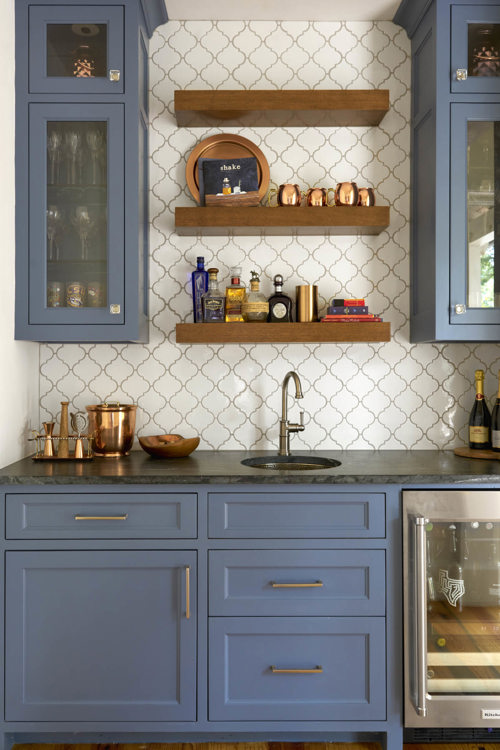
x,y
280,304
346,194
224,182
485,53
306,310
199,285
76,293
235,296
286,195
318,196
78,425
112,427
255,308
349,311
84,64
169,446
226,146
213,302
55,294
63,447
366,196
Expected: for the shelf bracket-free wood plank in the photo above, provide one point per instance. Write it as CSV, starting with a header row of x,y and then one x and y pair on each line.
x,y
281,333
283,220
268,108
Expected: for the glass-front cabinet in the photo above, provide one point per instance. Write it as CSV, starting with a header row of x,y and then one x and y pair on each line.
x,y
76,221
475,48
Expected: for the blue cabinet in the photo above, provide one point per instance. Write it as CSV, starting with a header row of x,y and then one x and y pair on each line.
x,y
101,635
81,169
455,183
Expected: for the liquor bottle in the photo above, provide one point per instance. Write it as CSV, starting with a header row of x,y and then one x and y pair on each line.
x,y
280,304
235,296
213,302
199,284
256,307
452,578
495,421
479,420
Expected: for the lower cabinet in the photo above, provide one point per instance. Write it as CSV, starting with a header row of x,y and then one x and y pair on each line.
x,y
100,636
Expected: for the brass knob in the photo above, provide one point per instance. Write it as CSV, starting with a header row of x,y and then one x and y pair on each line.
x,y
461,74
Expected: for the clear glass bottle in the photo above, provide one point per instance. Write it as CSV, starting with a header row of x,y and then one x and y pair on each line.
x,y
255,307
199,285
213,301
235,296
280,304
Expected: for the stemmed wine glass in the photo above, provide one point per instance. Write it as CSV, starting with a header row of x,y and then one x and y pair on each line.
x,y
95,142
73,144
54,141
54,227
84,224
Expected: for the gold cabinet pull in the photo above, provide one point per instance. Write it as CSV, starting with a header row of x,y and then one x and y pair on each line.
x,y
101,518
313,585
188,593
277,670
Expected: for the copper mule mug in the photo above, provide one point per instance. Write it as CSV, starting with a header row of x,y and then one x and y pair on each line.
x,y
286,195
346,194
366,197
318,196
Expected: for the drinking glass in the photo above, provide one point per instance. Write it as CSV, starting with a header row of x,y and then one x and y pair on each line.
x,y
54,142
73,144
54,230
84,224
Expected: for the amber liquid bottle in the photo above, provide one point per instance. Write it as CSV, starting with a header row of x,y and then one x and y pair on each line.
x,y
479,420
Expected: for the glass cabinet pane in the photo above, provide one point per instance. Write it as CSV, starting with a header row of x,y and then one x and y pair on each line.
x,y
77,50
463,607
76,214
483,48
483,181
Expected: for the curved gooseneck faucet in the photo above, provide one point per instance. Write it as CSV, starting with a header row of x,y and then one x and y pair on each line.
x,y
287,427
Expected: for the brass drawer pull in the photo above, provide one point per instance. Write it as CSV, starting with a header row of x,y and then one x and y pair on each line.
x,y
314,585
188,593
277,670
102,518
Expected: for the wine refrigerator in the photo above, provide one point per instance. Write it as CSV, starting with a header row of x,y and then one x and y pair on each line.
x,y
451,549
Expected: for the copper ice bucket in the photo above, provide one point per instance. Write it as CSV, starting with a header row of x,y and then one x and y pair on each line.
x,y
112,428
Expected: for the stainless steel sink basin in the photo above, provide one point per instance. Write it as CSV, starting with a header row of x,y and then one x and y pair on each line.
x,y
287,463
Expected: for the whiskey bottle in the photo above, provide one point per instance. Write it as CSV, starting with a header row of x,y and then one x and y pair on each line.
x,y
255,307
280,304
235,296
479,420
199,285
213,302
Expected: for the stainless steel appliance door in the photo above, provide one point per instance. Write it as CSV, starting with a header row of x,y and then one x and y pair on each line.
x,y
451,547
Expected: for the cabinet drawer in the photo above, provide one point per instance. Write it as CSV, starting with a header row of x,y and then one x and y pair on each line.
x,y
346,657
297,582
327,515
101,516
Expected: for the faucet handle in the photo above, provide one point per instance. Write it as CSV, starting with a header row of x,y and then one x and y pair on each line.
x,y
301,419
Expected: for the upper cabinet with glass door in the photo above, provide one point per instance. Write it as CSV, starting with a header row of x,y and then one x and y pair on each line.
x,y
475,49
76,49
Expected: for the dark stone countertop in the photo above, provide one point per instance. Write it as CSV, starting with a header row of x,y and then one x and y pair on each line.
x,y
224,467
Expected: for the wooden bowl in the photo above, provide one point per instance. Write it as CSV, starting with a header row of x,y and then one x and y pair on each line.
x,y
168,446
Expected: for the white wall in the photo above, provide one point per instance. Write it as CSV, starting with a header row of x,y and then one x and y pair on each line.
x,y
19,361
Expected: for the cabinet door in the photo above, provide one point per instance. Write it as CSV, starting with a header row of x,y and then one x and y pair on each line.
x,y
475,223
100,636
76,49
475,49
75,262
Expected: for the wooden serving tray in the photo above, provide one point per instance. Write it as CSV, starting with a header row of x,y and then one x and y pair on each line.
x,y
470,453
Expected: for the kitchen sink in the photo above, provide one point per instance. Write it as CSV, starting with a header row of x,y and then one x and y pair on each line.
x,y
287,463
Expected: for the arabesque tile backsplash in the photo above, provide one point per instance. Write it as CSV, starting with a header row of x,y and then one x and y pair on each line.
x,y
392,396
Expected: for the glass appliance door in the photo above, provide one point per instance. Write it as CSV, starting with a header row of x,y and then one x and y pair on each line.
x,y
76,49
475,49
475,215
76,216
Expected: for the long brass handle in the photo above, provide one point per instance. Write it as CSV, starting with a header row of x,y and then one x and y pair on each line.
x,y
102,518
313,585
188,593
277,670
421,615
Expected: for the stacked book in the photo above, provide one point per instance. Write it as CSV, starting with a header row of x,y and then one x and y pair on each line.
x,y
348,311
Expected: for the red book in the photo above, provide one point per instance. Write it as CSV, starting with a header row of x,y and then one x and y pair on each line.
x,y
348,302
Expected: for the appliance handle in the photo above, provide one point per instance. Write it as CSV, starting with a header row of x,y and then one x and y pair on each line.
x,y
421,615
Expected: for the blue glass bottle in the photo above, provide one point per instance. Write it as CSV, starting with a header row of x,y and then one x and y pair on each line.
x,y
199,283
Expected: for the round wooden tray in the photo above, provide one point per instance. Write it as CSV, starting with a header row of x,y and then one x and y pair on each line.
x,y
225,146
470,453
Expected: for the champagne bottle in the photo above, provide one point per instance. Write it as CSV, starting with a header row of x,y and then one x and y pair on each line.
x,y
479,420
495,421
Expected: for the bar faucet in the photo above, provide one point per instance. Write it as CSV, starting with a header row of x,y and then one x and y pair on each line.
x,y
287,427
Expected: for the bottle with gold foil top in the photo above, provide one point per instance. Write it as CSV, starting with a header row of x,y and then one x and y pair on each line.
x,y
255,307
479,420
495,421
235,296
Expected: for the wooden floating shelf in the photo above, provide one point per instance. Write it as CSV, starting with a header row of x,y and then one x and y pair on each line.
x,y
338,108
281,333
339,220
